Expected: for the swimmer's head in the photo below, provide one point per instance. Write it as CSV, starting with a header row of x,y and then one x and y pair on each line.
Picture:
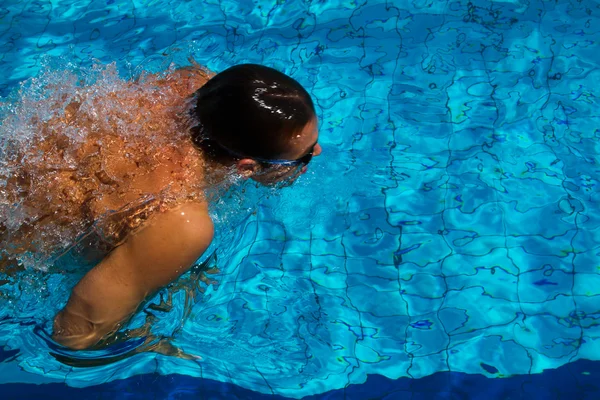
x,y
258,118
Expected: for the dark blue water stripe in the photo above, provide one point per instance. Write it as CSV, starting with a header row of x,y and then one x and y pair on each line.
x,y
577,380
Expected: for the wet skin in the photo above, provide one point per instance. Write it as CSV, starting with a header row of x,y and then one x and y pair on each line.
x,y
161,250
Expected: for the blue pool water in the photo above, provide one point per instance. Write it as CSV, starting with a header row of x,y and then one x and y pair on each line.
x,y
446,243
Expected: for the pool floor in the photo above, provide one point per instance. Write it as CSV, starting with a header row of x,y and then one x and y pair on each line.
x,y
446,244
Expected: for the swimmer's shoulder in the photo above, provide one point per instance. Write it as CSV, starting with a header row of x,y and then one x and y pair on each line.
x,y
187,80
165,246
188,223
149,259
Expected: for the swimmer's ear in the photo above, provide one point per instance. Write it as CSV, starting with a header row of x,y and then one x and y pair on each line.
x,y
247,167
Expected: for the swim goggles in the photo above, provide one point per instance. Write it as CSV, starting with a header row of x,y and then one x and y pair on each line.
x,y
304,160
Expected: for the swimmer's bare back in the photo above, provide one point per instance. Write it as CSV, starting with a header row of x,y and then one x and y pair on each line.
x,y
150,257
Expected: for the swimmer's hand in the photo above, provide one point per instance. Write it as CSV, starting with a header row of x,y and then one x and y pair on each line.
x,y
164,248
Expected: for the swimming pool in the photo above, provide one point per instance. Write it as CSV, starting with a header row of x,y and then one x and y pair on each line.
x,y
445,244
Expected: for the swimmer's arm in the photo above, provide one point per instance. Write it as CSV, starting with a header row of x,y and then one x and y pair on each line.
x,y
150,259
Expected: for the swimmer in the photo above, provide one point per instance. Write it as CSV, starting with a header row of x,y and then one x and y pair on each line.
x,y
141,197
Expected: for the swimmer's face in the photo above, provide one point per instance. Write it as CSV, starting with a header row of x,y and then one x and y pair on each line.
x,y
303,146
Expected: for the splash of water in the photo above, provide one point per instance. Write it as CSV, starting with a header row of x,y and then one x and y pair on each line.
x,y
77,143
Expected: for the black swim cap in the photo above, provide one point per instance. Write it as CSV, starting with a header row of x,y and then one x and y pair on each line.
x,y
252,110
